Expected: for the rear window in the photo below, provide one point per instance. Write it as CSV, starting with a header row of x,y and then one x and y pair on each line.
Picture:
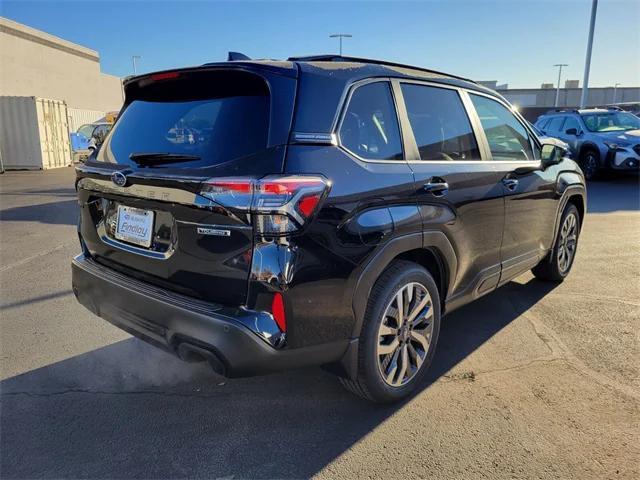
x,y
214,117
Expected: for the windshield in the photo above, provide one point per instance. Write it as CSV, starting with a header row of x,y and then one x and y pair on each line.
x,y
611,121
86,130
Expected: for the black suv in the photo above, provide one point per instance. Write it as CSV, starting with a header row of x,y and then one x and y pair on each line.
x,y
264,215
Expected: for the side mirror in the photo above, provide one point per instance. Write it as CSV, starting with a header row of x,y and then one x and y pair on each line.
x,y
572,131
552,153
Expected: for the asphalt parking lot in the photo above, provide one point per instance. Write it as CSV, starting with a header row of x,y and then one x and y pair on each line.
x,y
531,381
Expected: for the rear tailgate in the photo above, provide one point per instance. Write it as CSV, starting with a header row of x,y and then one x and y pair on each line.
x,y
146,217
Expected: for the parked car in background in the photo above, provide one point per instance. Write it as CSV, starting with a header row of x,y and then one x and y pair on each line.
x,y
88,138
547,139
601,139
318,211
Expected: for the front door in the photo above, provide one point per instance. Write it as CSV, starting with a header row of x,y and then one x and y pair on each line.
x,y
530,193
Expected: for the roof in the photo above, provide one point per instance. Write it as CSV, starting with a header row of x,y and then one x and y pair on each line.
x,y
350,68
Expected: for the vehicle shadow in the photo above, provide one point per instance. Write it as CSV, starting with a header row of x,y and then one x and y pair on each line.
x,y
614,194
57,213
50,192
127,410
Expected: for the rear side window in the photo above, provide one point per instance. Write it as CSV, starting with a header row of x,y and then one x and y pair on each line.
x,y
440,124
555,124
212,118
508,138
369,127
541,124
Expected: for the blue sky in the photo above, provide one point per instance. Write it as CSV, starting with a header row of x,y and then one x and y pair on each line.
x,y
514,41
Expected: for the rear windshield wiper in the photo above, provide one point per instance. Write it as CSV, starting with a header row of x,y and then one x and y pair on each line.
x,y
152,158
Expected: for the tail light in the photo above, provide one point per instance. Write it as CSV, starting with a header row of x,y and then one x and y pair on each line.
x,y
278,204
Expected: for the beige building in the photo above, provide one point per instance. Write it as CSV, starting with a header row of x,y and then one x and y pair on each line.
x,y
36,64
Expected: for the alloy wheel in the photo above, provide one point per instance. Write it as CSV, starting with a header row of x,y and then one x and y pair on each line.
x,y
404,335
568,241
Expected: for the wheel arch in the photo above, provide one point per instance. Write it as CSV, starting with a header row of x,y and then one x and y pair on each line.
x,y
589,146
432,250
575,194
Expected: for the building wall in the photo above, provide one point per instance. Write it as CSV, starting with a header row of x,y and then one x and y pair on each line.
x,y
37,64
569,97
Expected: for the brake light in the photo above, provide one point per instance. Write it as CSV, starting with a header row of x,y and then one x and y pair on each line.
x,y
278,204
164,76
277,310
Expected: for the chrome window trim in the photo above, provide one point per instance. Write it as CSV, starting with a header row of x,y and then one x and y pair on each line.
x,y
463,92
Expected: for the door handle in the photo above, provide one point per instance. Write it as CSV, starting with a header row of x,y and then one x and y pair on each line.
x,y
436,186
510,183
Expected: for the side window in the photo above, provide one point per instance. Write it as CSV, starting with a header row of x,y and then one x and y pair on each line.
x,y
571,123
542,123
370,128
555,125
508,138
440,124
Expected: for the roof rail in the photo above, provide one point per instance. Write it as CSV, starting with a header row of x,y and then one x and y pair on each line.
x,y
561,110
341,58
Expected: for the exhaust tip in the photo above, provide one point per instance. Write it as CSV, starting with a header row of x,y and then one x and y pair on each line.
x,y
193,354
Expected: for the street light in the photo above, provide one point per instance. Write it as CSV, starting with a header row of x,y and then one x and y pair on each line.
x,y
133,60
587,61
559,74
340,36
615,92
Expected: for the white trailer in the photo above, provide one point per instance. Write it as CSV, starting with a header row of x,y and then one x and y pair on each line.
x,y
34,133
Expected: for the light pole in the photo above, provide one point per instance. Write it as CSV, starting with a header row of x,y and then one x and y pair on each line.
x,y
560,65
587,61
340,36
615,92
133,60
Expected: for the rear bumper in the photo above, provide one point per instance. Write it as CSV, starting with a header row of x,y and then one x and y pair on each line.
x,y
230,338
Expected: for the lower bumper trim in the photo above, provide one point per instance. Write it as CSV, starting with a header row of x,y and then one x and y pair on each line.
x,y
168,320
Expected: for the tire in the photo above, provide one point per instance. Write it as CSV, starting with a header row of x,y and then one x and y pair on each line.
x,y
416,342
557,264
590,165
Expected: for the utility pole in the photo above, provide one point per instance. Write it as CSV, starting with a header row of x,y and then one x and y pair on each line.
x,y
560,65
133,60
340,36
587,61
615,92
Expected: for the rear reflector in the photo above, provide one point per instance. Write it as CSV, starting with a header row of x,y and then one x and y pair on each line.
x,y
278,204
277,310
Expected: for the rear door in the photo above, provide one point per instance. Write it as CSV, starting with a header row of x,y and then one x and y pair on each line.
x,y
530,191
457,192
568,135
162,202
